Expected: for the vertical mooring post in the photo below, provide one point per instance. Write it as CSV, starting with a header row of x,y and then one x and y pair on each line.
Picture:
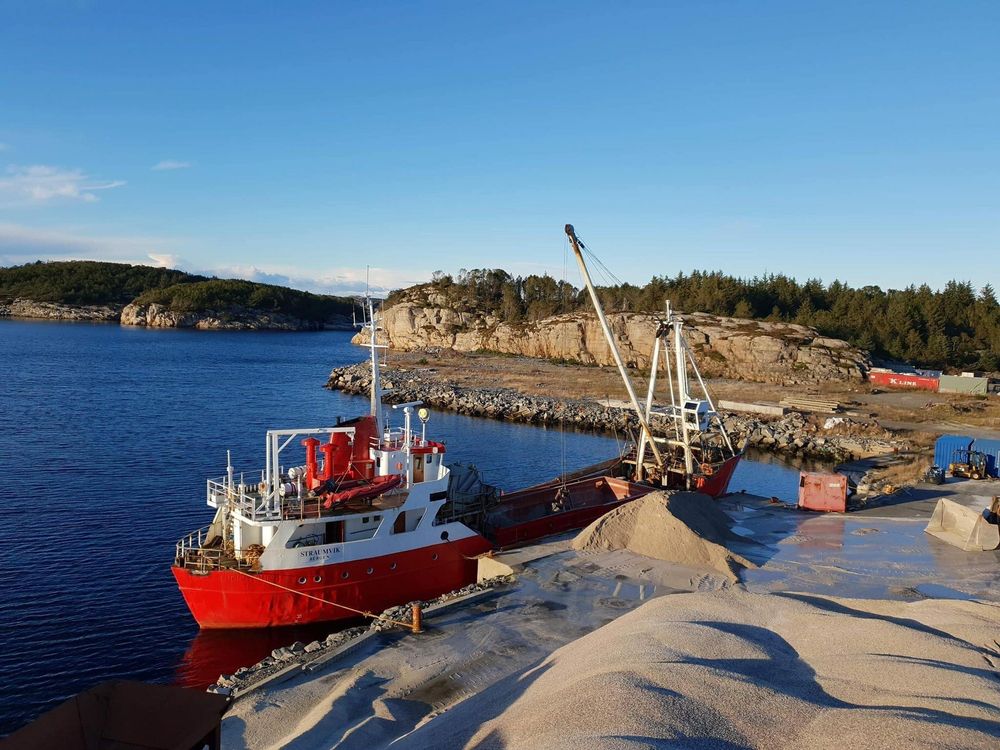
x,y
416,626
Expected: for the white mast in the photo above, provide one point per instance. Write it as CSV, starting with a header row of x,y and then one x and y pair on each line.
x,y
682,388
575,242
376,389
653,367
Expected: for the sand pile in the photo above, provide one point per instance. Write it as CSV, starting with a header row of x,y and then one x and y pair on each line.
x,y
682,527
732,669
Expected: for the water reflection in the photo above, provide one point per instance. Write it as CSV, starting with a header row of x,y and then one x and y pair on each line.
x,y
769,475
216,652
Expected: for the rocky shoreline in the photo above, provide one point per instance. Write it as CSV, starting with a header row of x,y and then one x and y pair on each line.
x,y
794,434
23,308
234,319
159,316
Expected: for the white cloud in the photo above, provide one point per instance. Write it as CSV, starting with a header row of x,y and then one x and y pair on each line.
x,y
38,184
336,280
22,244
168,164
165,260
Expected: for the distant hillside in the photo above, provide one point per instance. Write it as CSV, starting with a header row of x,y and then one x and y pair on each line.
x,y
234,294
85,282
159,297
955,327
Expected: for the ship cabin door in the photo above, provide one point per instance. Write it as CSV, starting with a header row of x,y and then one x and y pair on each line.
x,y
334,532
418,468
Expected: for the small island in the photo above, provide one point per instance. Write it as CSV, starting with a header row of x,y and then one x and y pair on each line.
x,y
162,298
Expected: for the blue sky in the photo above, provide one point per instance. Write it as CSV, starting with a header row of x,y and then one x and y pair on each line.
x,y
300,142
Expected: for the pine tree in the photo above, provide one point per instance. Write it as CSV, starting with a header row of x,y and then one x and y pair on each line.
x,y
804,315
987,297
743,310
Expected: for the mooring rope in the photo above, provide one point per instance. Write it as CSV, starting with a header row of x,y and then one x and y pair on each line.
x,y
325,601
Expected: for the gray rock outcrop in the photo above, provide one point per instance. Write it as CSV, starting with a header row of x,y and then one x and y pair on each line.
x,y
756,350
236,319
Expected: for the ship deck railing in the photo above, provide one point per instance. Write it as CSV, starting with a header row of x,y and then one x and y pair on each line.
x,y
255,506
395,440
202,551
245,499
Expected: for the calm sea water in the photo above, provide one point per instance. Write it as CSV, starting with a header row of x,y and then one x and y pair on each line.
x,y
106,437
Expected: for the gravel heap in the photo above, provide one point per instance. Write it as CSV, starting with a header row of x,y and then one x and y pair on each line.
x,y
732,669
681,527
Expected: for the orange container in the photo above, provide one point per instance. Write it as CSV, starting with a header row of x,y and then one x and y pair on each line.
x,y
822,492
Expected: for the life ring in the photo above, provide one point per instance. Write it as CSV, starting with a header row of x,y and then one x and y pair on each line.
x,y
707,469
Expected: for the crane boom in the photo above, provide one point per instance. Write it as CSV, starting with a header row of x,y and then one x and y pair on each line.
x,y
577,245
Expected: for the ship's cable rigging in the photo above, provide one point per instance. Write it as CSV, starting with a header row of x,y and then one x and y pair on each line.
x,y
564,282
372,615
610,280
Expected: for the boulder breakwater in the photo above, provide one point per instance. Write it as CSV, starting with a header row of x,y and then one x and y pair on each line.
x,y
794,434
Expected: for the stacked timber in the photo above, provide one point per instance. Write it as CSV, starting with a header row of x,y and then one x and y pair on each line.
x,y
823,406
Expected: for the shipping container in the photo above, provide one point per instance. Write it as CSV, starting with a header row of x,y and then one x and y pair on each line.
x,y
992,450
960,384
947,446
899,380
823,492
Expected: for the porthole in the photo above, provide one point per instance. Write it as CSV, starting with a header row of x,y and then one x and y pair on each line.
x,y
392,566
370,571
318,579
444,536
434,556
302,580
345,574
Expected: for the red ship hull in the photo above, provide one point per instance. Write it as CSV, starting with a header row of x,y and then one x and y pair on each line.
x,y
231,599
717,484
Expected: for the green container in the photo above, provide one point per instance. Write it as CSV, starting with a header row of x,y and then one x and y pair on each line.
x,y
958,384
